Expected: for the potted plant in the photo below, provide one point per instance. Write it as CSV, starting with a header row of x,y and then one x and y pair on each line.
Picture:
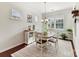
x,y
64,36
69,30
70,34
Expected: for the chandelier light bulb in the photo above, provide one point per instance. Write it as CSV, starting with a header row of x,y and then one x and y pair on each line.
x,y
46,20
42,20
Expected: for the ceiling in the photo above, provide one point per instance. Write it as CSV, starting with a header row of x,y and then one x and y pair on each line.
x,y
53,6
40,6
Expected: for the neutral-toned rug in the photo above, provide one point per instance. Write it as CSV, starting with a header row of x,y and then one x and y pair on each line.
x,y
64,49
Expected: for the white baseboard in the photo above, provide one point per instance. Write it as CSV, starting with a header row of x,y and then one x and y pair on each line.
x,y
10,47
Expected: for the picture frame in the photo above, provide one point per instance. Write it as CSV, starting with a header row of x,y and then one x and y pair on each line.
x,y
15,14
29,18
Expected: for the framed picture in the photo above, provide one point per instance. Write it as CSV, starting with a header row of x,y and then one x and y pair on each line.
x,y
29,18
15,14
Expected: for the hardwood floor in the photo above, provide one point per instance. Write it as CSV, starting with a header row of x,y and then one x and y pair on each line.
x,y
10,51
74,51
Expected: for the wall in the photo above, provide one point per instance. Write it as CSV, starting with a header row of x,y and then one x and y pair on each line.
x,y
11,31
76,33
33,9
76,38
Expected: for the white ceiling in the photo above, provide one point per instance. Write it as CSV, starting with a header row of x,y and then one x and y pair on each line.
x,y
59,5
40,6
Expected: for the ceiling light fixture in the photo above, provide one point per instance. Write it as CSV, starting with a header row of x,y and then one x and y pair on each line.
x,y
45,19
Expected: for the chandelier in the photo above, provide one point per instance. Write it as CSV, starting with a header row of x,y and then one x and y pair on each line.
x,y
45,19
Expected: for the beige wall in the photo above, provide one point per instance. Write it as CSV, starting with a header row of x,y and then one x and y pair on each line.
x,y
11,31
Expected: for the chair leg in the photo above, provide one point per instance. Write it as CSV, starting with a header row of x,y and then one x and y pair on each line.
x,y
56,47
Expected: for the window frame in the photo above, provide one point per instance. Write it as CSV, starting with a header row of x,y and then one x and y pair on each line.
x,y
54,20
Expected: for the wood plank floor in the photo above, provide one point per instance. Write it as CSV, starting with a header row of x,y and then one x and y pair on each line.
x,y
73,47
10,51
62,49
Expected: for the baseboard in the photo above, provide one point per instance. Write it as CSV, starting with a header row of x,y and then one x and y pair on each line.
x,y
10,47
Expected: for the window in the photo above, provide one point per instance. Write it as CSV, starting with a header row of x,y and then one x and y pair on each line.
x,y
59,24
56,23
52,25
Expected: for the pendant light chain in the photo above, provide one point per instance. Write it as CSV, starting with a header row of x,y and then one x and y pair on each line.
x,y
45,9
